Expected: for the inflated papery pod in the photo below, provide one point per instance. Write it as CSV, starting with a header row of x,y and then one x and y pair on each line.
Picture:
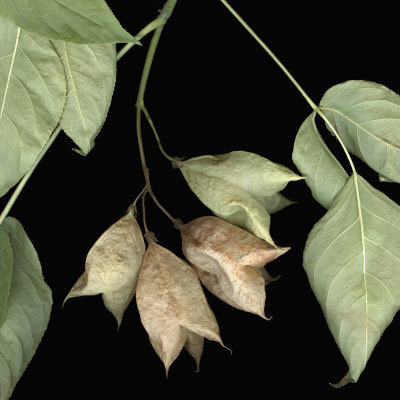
x,y
230,261
112,266
241,187
172,306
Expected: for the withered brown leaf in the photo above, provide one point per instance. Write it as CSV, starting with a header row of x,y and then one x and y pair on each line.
x,y
229,261
172,306
112,266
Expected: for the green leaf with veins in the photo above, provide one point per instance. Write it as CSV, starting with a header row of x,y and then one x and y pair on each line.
x,y
28,311
90,71
324,175
88,21
366,116
6,267
32,97
240,187
352,260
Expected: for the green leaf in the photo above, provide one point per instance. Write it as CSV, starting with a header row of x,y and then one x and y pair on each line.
x,y
88,21
32,97
239,187
90,71
6,267
352,259
367,118
324,175
28,311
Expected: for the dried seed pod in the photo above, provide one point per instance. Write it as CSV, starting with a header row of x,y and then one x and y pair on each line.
x,y
242,188
172,306
112,266
229,261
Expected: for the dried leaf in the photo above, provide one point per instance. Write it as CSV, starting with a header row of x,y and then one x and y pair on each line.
x,y
112,266
229,261
240,187
172,306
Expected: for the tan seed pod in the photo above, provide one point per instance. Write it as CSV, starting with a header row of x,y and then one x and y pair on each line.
x,y
229,261
172,306
112,266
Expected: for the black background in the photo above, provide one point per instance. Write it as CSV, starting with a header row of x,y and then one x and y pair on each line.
x,y
212,90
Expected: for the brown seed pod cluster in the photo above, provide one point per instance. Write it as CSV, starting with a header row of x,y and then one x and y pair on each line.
x,y
228,260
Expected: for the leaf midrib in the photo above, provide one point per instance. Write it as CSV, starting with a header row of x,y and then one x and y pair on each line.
x,y
363,236
76,94
10,72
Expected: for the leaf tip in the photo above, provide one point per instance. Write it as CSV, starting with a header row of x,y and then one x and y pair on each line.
x,y
281,250
344,381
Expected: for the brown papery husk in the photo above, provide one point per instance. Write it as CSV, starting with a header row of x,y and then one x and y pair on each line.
x,y
112,266
172,306
229,261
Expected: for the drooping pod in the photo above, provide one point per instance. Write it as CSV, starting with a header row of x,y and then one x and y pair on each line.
x,y
230,261
112,266
242,188
172,306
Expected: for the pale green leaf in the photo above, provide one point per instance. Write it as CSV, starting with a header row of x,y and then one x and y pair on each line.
x,y
90,71
352,259
88,21
6,267
238,187
32,97
324,175
367,117
28,311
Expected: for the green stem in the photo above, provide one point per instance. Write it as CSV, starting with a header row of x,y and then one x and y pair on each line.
x,y
23,181
153,128
290,76
140,107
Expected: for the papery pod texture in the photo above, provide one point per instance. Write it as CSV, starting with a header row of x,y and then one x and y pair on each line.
x,y
229,261
112,266
241,187
172,306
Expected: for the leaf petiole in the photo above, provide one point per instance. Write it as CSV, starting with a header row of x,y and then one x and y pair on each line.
x,y
291,78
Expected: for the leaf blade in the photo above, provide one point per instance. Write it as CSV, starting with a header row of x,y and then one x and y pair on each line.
x,y
366,116
324,174
32,97
352,260
6,267
90,72
89,21
28,311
